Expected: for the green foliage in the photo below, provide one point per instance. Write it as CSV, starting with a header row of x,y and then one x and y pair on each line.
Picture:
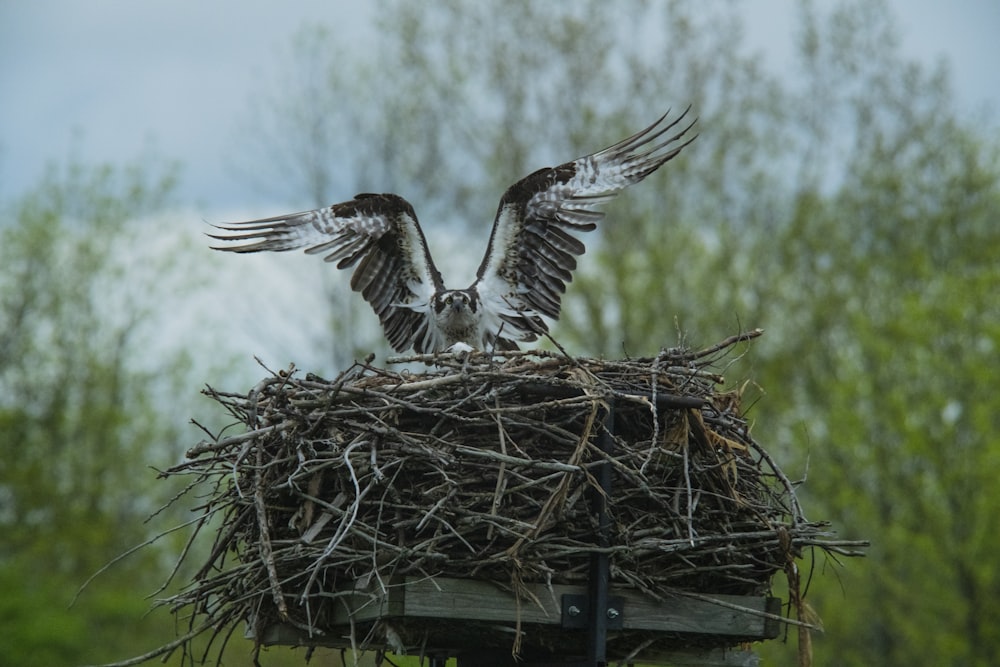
x,y
78,424
849,209
896,393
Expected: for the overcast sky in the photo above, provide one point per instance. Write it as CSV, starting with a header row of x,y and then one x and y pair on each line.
x,y
110,77
106,78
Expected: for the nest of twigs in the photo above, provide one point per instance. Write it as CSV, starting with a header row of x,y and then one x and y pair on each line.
x,y
484,467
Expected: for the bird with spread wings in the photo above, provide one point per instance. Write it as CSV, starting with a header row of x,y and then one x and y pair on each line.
x,y
529,259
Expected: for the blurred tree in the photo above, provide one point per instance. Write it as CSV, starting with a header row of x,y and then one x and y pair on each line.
x,y
846,207
79,417
881,290
407,128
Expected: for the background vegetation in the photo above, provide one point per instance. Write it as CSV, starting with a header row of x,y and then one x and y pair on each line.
x,y
850,210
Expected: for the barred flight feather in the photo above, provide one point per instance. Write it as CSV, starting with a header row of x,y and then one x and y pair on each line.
x,y
529,259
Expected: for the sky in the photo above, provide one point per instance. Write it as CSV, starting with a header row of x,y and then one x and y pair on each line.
x,y
108,79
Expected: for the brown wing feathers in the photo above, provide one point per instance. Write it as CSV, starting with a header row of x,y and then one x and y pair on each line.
x,y
529,260
377,234
539,215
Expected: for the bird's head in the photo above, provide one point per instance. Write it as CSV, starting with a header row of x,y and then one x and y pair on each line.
x,y
455,302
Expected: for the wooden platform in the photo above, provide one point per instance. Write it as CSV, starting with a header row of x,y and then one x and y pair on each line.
x,y
456,617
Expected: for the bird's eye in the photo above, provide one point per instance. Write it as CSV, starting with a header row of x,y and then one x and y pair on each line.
x,y
449,299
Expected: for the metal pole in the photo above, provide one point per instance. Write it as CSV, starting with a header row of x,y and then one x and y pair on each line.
x,y
597,642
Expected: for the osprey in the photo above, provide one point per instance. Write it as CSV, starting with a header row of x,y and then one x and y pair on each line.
x,y
529,259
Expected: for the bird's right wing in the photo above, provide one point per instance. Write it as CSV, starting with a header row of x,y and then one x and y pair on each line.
x,y
533,246
377,233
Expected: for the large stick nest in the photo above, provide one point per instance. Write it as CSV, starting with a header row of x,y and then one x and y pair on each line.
x,y
484,467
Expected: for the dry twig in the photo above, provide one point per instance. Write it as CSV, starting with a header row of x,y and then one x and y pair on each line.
x,y
479,468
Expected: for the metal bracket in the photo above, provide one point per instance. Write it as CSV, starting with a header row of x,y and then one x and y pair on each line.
x,y
576,612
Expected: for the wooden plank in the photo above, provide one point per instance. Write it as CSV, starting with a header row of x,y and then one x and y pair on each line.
x,y
458,617
444,598
368,602
468,600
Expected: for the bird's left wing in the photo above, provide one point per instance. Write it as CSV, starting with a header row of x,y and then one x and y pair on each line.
x,y
378,233
533,248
